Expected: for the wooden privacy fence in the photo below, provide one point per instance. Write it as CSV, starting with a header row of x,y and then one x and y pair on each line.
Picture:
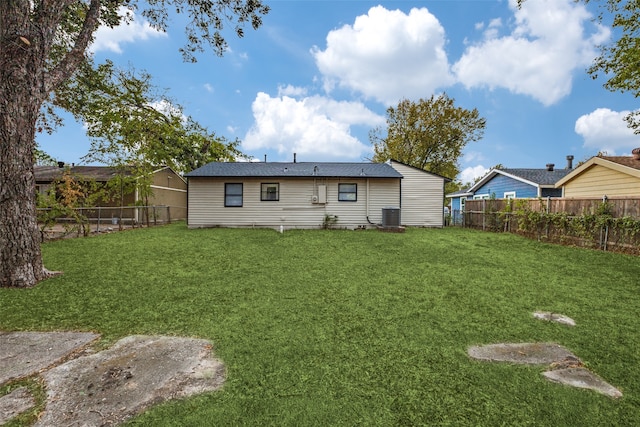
x,y
618,207
606,224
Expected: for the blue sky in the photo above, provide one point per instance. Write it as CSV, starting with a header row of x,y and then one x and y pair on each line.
x,y
319,75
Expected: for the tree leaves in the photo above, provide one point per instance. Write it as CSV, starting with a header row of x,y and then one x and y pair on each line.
x,y
620,61
207,20
429,134
130,122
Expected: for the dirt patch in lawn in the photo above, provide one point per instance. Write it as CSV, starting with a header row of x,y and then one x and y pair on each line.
x,y
70,231
104,388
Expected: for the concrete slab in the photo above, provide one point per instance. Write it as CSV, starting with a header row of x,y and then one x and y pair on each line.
x,y
524,353
583,378
554,317
564,366
23,354
111,386
15,403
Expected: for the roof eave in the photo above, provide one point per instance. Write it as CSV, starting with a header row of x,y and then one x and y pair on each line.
x,y
596,160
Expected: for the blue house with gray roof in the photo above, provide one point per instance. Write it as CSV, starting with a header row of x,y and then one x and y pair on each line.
x,y
513,184
285,195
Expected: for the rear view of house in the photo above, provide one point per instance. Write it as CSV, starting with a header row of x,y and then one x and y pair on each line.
x,y
302,195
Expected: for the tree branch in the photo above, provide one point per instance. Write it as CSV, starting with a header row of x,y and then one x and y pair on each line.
x,y
70,62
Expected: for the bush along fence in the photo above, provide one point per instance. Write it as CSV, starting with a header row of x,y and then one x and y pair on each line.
x,y
65,221
605,224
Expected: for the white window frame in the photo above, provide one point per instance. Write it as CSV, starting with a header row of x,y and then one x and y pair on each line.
x,y
481,196
510,195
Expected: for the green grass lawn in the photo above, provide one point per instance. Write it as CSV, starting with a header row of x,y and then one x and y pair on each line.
x,y
328,327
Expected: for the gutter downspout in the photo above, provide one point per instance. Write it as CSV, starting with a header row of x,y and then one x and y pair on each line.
x,y
367,204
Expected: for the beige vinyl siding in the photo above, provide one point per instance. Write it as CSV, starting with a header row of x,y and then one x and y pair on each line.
x,y
176,199
294,209
167,178
598,181
169,189
422,197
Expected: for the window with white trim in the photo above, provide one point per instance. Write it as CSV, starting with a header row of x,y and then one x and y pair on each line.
x,y
510,195
233,195
480,196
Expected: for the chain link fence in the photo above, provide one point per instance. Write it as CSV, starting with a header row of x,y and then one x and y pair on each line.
x,y
73,222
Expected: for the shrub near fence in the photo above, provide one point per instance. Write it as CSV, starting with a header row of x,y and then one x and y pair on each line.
x,y
82,221
608,224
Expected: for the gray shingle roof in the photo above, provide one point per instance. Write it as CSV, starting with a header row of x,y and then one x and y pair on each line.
x,y
97,173
298,170
539,176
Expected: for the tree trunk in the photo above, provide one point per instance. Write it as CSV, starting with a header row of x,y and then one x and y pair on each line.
x,y
20,256
28,30
20,101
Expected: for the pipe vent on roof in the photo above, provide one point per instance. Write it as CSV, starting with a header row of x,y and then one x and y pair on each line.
x,y
569,162
550,167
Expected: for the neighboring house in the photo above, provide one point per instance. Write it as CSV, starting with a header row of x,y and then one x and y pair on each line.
x,y
305,194
513,184
457,200
611,176
167,187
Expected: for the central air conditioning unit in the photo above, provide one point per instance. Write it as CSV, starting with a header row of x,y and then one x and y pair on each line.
x,y
314,199
391,217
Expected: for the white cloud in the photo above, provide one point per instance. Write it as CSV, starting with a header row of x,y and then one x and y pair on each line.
x,y
493,29
539,57
111,39
315,127
605,130
473,156
386,55
290,90
468,175
208,87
